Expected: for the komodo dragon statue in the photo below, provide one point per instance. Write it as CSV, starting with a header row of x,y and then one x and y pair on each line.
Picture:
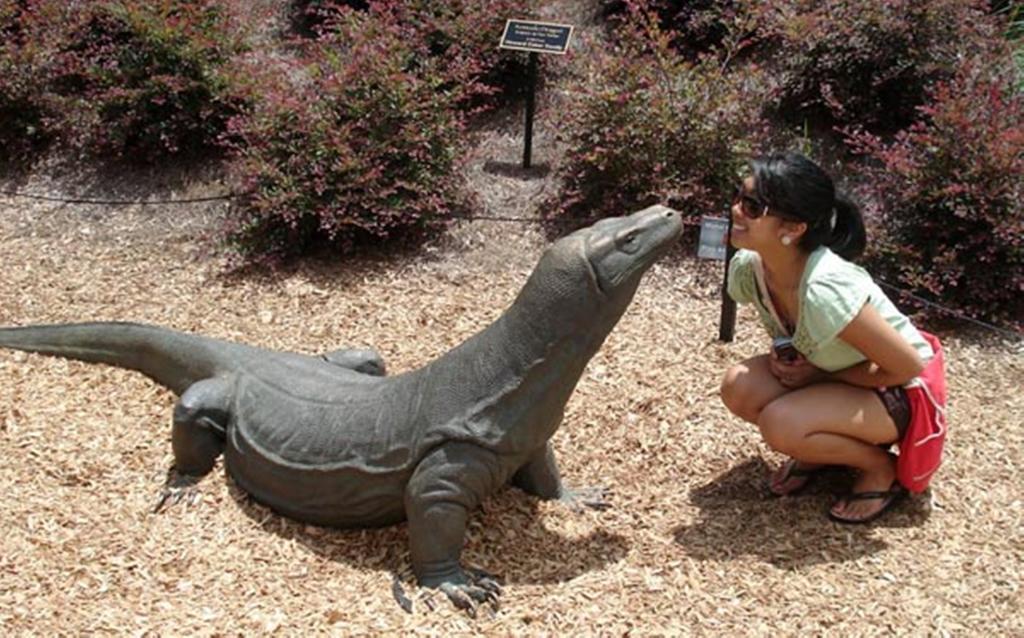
x,y
333,441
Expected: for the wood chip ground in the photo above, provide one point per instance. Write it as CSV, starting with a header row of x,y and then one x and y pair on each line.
x,y
693,545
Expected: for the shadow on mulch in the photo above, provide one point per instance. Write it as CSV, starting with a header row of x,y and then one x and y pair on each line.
x,y
505,537
740,518
516,170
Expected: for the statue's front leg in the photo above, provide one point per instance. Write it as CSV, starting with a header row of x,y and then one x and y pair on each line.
x,y
447,485
540,477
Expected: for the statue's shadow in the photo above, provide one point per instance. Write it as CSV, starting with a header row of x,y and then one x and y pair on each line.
x,y
738,517
505,537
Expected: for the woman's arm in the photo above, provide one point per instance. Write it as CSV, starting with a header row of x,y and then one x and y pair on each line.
x,y
891,359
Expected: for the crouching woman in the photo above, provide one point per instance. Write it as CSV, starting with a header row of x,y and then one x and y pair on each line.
x,y
833,390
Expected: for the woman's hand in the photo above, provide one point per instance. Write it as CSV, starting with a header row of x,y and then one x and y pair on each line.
x,y
796,373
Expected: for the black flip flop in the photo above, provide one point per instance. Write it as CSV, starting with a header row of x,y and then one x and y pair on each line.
x,y
889,497
793,471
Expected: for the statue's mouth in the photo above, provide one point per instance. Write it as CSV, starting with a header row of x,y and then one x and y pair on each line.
x,y
612,265
594,277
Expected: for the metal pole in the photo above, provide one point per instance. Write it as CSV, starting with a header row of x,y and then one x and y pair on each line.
x,y
727,319
531,88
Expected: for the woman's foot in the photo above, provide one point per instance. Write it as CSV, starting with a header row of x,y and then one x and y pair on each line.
x,y
791,477
872,494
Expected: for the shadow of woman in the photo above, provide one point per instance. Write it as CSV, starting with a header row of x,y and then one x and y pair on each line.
x,y
740,518
505,537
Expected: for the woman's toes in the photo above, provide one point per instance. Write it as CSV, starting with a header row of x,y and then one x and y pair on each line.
x,y
839,509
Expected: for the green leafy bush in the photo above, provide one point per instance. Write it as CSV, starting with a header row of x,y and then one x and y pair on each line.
x,y
949,191
870,63
648,126
364,150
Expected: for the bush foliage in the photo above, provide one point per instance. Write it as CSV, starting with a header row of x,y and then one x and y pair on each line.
x,y
23,110
463,32
145,79
309,17
141,79
696,27
950,195
647,125
365,150
870,63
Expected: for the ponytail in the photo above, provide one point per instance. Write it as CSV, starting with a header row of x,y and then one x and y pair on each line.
x,y
848,238
797,187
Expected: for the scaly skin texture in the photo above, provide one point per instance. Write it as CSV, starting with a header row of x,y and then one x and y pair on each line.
x,y
333,441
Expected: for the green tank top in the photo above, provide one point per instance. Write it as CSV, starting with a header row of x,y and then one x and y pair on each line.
x,y
832,292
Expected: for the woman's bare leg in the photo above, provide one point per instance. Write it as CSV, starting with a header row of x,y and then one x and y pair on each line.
x,y
840,424
749,386
746,389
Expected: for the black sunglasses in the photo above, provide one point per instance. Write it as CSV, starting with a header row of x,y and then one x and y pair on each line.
x,y
753,207
750,206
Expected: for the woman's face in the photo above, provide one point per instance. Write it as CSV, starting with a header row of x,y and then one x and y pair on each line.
x,y
752,225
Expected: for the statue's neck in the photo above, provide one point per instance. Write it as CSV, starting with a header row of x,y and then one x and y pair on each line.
x,y
528,347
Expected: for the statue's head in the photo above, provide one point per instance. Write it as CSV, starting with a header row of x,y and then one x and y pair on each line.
x,y
598,268
621,249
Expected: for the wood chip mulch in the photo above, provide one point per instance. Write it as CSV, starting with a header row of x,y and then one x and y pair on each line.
x,y
692,545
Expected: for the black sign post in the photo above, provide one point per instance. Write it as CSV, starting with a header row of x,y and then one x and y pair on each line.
x,y
727,319
714,244
531,89
534,37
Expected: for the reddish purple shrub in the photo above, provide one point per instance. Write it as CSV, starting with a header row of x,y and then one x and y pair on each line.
x,y
470,30
697,27
647,126
24,111
949,191
143,79
365,149
309,17
870,62
463,33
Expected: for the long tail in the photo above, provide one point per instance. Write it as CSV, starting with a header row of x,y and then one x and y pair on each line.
x,y
173,359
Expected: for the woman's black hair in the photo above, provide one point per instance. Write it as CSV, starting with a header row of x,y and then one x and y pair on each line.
x,y
799,189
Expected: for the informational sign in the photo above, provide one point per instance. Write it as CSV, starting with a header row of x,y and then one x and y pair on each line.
x,y
536,37
713,243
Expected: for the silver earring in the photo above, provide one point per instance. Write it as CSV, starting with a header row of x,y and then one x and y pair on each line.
x,y
786,240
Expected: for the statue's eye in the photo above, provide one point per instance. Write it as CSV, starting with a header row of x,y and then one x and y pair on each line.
x,y
629,242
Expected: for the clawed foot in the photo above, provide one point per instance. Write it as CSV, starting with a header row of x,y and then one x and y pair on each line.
x,y
592,497
468,592
179,488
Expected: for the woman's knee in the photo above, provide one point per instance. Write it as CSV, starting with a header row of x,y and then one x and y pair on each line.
x,y
748,386
779,428
736,394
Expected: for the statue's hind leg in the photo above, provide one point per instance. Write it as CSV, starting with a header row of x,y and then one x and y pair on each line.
x,y
197,437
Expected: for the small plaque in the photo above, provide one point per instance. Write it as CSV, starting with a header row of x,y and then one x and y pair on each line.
x,y
713,243
536,37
